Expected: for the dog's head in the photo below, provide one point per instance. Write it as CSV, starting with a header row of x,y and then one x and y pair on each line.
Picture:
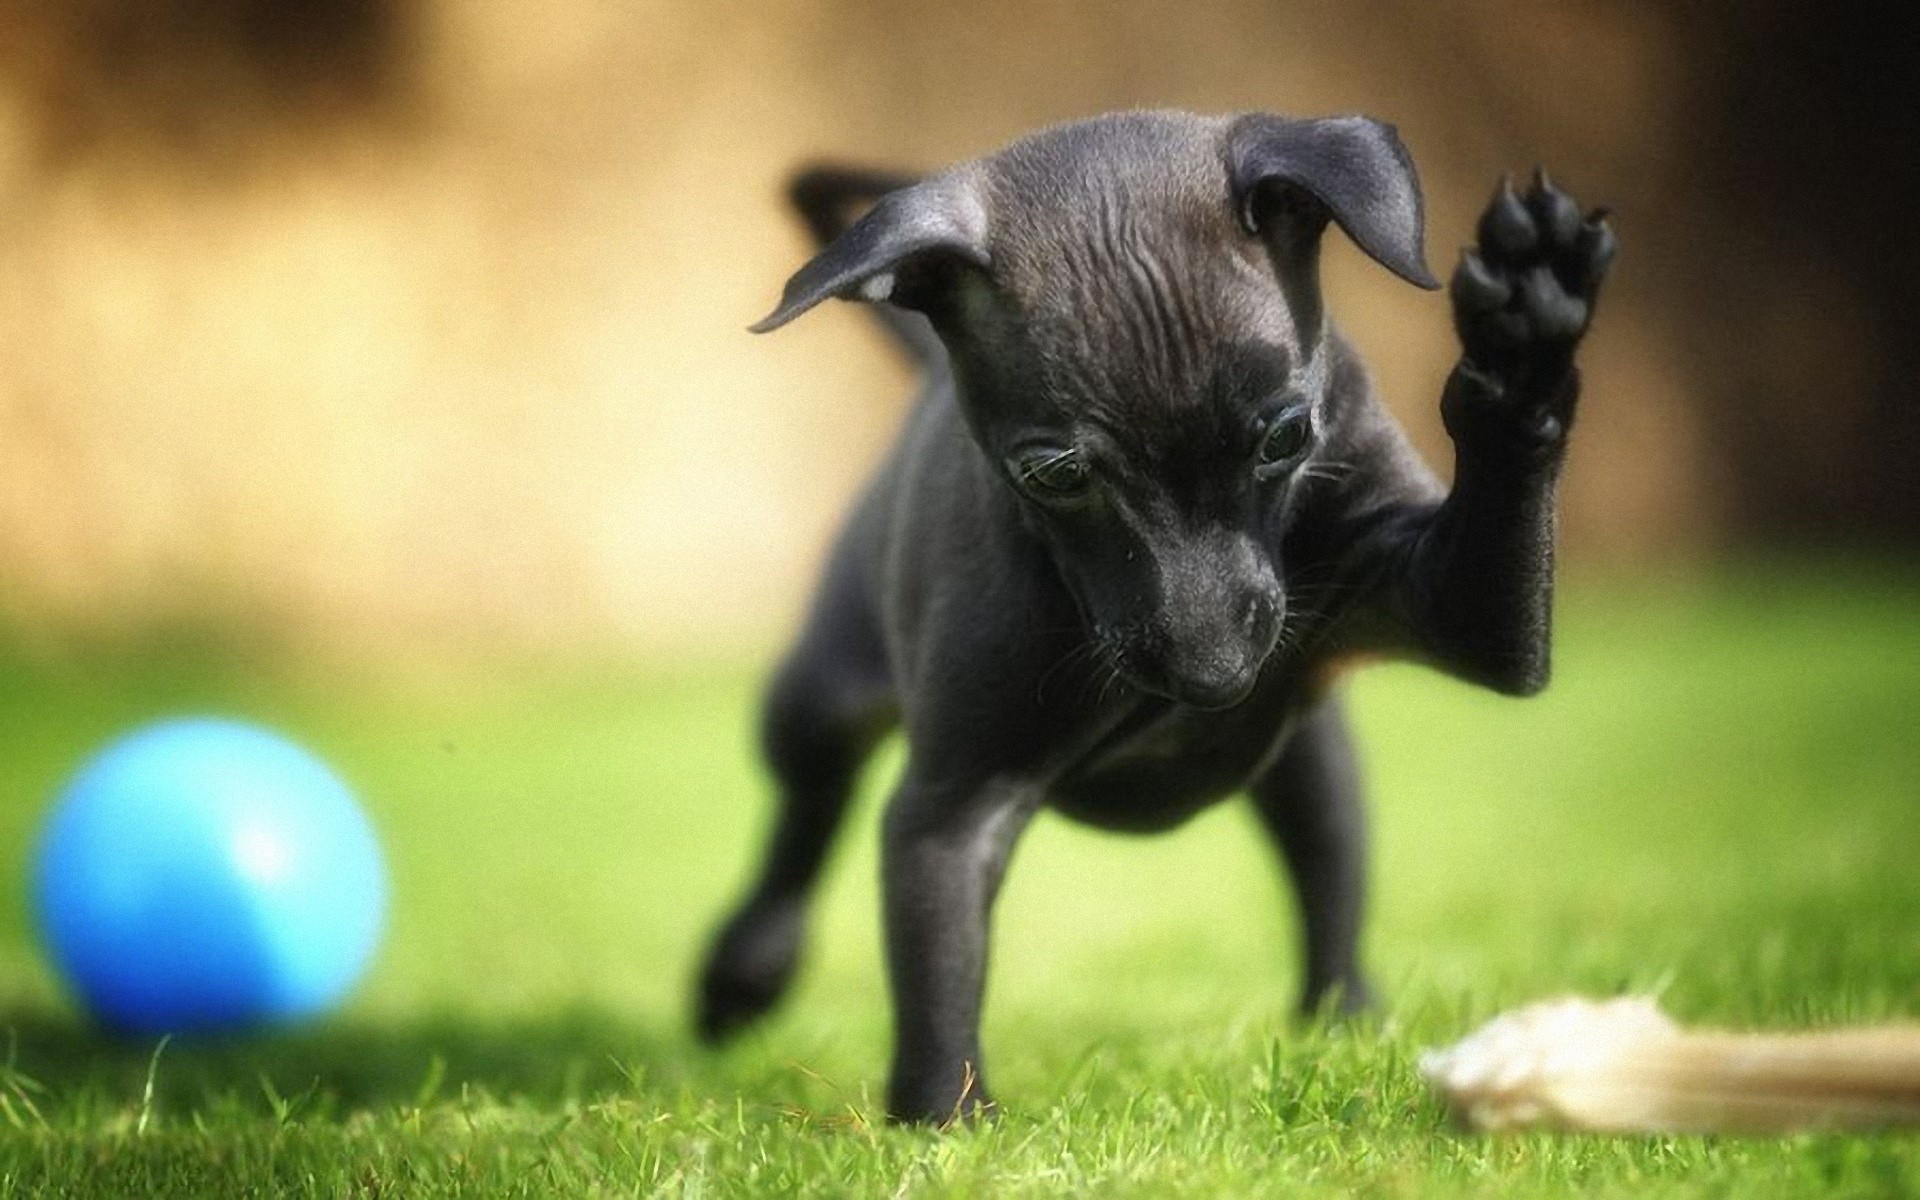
x,y
1132,309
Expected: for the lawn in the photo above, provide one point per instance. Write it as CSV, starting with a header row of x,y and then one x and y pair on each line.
x,y
1718,800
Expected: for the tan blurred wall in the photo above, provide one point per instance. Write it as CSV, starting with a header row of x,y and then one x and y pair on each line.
x,y
465,363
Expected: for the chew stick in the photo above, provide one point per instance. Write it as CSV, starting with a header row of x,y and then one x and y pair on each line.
x,y
1624,1066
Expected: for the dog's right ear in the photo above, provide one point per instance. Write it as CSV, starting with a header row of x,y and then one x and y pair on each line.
x,y
939,218
1352,170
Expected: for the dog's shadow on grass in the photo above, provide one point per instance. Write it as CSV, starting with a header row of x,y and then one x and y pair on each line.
x,y
55,1063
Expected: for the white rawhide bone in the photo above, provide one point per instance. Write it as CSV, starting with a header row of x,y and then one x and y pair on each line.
x,y
1623,1066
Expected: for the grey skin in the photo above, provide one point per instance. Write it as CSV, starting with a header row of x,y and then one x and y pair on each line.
x,y
1145,509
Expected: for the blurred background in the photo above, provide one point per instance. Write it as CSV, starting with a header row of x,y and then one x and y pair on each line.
x,y
402,325
345,335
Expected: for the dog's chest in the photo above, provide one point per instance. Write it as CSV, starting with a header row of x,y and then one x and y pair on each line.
x,y
1171,762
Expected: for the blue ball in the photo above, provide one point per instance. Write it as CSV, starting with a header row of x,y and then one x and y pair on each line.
x,y
204,875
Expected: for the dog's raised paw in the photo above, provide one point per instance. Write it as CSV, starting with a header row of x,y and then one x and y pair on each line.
x,y
1524,293
1523,296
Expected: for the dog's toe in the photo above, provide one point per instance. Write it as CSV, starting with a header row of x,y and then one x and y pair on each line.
x,y
1555,213
1508,233
1593,249
1477,287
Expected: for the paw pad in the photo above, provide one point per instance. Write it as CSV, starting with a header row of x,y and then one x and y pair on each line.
x,y
1525,292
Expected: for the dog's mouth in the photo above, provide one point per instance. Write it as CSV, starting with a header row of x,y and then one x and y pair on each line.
x,y
1207,690
1211,695
1215,696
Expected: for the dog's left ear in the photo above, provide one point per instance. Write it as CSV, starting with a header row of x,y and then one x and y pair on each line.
x,y
1353,170
939,219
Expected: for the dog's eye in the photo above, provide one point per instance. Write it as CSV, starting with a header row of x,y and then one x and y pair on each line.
x,y
1053,474
1286,440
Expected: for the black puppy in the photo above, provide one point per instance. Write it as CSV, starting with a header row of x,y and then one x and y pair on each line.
x,y
1144,509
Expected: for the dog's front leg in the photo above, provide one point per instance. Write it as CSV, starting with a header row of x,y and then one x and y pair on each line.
x,y
944,850
1310,803
1479,579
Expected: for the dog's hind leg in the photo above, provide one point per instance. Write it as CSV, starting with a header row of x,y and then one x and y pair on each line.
x,y
828,708
1310,803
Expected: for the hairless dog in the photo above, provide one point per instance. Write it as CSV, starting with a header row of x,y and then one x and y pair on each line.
x,y
1146,507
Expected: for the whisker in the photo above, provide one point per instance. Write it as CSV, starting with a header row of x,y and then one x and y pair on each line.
x,y
1078,652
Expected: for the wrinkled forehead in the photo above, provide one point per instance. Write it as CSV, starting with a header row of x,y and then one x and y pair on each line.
x,y
1123,252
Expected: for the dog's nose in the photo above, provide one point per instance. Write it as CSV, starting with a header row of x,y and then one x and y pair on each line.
x,y
1210,656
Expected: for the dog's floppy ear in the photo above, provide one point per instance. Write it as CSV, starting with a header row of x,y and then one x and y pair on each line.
x,y
940,217
1352,169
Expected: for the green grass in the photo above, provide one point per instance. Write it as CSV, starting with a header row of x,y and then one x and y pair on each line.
x,y
1718,800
